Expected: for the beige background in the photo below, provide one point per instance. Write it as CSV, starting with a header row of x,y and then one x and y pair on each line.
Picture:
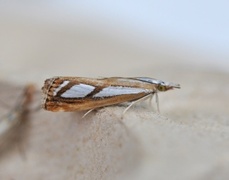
x,y
188,140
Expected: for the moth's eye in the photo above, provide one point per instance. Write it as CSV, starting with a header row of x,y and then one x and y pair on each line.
x,y
161,88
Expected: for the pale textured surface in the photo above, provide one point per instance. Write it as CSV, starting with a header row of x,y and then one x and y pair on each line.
x,y
189,140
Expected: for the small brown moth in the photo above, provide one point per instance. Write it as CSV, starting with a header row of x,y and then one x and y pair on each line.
x,y
79,93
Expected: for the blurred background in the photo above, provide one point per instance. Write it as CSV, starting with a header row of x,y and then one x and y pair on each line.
x,y
40,39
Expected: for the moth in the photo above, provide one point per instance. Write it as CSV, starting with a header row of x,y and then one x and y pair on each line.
x,y
81,93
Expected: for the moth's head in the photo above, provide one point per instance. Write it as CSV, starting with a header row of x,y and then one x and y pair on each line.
x,y
160,85
165,86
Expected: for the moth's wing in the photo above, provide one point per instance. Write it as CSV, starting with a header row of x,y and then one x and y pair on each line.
x,y
83,96
88,103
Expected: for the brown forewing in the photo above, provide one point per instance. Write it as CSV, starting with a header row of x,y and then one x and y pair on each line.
x,y
57,103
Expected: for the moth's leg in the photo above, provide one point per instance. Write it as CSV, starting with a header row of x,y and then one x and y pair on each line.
x,y
134,102
157,102
87,113
150,100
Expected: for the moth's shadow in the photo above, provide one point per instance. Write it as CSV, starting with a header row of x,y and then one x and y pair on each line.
x,y
15,136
